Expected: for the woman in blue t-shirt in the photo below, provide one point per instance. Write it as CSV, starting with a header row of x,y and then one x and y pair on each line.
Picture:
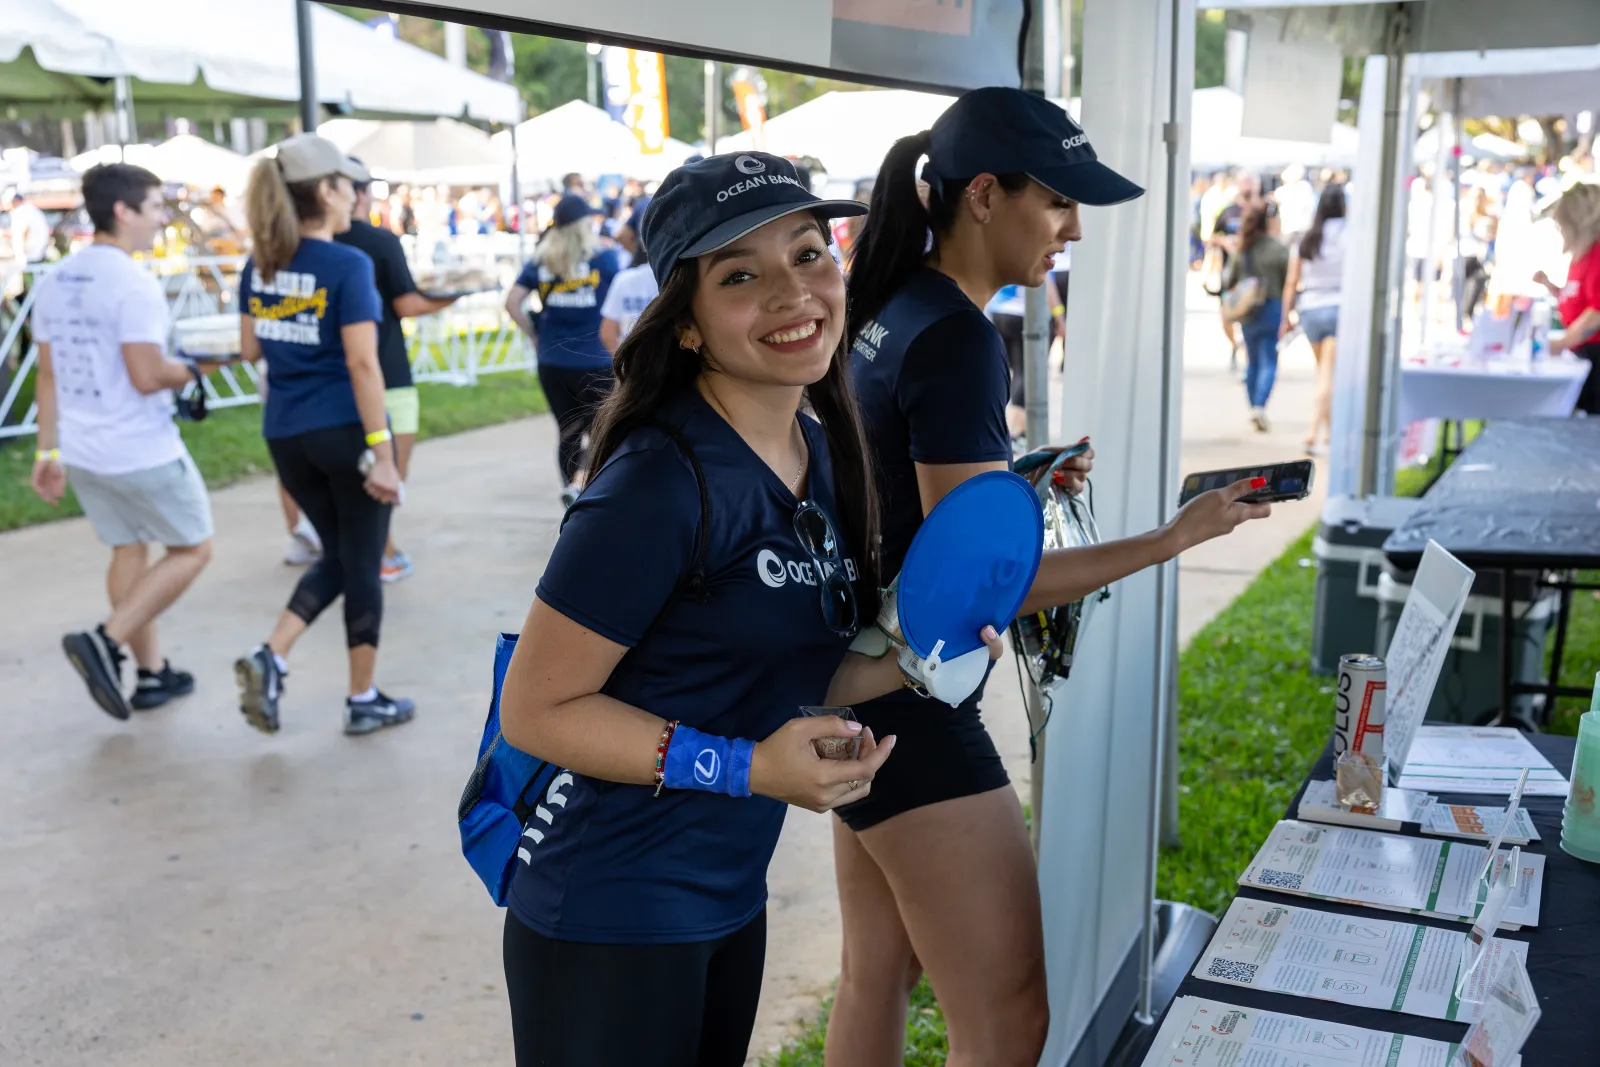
x,y
934,868
309,307
572,273
704,588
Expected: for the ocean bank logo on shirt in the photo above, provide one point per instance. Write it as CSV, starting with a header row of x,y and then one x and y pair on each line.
x,y
707,767
869,340
296,316
749,165
777,573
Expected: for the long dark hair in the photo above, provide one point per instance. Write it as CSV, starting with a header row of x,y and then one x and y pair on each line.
x,y
894,239
1329,206
651,369
1253,227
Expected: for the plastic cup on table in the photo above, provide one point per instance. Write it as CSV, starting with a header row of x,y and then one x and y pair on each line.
x,y
1580,820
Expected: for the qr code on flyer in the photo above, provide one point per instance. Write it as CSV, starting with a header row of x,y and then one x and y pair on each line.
x,y
1279,879
1229,971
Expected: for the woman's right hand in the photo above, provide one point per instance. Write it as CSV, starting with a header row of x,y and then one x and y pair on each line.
x,y
786,766
1215,513
383,481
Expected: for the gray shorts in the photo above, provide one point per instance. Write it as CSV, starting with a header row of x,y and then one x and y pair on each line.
x,y
164,505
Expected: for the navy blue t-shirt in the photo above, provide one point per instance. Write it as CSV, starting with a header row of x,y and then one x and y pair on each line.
x,y
298,316
932,380
614,863
569,323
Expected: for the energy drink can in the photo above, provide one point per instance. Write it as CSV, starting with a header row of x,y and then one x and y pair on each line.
x,y
1359,710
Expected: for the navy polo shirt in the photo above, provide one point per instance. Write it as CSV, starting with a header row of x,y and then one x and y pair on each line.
x,y
614,863
297,318
932,380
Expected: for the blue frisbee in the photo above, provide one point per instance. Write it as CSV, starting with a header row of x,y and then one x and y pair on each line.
x,y
970,564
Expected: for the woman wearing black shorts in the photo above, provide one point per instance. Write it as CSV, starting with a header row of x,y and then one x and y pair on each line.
x,y
309,307
934,867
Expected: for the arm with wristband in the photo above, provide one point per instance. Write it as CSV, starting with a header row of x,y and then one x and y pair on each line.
x,y
49,477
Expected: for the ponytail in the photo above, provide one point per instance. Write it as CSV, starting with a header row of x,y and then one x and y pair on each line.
x,y
901,230
894,237
274,209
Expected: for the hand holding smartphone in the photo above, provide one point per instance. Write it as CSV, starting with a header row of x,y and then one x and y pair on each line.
x,y
1283,481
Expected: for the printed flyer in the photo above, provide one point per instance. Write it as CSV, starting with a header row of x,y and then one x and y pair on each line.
x,y
1360,960
1390,871
1208,1033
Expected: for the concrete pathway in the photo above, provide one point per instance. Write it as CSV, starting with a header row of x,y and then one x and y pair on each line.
x,y
180,891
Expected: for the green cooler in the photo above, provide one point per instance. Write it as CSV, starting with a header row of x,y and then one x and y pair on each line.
x,y
1349,551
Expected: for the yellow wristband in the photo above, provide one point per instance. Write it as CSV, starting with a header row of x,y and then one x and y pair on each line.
x,y
52,455
378,437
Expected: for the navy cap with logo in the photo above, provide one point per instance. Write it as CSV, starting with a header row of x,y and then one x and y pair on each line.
x,y
997,130
708,205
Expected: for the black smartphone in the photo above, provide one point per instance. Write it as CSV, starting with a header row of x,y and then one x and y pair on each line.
x,y
1285,481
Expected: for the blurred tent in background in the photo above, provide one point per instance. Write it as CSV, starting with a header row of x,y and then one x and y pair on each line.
x,y
849,132
440,152
1217,143
185,159
580,137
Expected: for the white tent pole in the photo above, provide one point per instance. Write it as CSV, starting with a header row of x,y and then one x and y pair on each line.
x,y
1455,184
310,110
1166,591
1396,34
122,97
713,105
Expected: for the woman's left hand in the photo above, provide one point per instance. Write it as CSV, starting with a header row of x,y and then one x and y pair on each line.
x,y
1558,345
383,482
991,640
1073,474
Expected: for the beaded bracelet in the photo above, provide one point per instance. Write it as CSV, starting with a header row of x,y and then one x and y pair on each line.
x,y
661,754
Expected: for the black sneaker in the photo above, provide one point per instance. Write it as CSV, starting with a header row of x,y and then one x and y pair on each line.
x,y
260,686
98,659
365,716
155,688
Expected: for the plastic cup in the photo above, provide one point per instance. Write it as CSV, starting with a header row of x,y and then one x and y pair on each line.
x,y
1580,820
835,747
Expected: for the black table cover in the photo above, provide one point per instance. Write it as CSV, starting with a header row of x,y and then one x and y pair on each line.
x,y
1563,950
1523,494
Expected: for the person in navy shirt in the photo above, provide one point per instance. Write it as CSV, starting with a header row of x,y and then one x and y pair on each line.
x,y
571,273
934,868
705,586
310,308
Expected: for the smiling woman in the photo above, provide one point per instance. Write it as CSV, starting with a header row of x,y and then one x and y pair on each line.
x,y
705,586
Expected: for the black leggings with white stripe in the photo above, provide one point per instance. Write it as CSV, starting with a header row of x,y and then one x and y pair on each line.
x,y
578,1004
321,470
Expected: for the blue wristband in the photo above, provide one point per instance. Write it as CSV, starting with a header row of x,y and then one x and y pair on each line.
x,y
707,762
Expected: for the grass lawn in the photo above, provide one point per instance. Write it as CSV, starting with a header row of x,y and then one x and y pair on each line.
x,y
228,445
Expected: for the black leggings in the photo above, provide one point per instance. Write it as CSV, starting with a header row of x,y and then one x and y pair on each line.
x,y
320,468
573,393
577,1004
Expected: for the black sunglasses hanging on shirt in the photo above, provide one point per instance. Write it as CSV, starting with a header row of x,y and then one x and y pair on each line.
x,y
816,536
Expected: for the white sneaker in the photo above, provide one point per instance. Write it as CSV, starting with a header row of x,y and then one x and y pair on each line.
x,y
1258,417
305,547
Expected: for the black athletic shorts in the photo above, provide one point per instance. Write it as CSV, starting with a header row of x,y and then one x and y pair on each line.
x,y
579,1004
940,753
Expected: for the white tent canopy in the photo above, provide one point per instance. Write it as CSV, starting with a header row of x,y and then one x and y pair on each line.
x,y
441,152
579,137
221,50
1527,81
849,132
1218,118
185,158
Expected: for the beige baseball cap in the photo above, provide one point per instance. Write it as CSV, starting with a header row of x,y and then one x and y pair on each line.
x,y
306,157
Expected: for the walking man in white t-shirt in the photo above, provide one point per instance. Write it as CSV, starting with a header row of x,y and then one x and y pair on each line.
x,y
105,425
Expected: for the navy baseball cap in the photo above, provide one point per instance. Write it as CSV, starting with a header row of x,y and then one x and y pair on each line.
x,y
571,208
708,205
996,130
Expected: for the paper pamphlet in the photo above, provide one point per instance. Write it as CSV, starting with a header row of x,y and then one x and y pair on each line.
x,y
1319,804
1474,823
1369,962
1417,649
1409,874
1508,1015
1208,1033
1478,759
